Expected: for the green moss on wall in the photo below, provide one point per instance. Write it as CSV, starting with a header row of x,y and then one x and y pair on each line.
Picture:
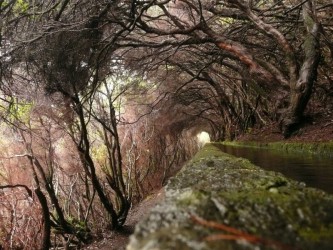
x,y
233,192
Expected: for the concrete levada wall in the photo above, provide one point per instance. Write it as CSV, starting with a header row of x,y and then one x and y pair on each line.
x,y
218,201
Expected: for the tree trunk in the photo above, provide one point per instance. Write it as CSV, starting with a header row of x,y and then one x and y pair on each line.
x,y
84,148
46,241
302,88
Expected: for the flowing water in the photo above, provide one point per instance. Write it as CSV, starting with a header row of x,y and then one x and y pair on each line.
x,y
315,171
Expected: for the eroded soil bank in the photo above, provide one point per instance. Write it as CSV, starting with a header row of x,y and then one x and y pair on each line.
x,y
221,202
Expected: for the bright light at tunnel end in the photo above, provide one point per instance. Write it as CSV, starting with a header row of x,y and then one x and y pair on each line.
x,y
203,138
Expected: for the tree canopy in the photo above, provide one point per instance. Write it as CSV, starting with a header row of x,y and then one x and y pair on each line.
x,y
101,101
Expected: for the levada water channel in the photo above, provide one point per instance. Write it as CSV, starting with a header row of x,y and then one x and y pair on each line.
x,y
315,171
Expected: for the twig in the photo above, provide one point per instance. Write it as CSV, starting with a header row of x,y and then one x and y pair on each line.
x,y
297,6
236,234
327,124
18,186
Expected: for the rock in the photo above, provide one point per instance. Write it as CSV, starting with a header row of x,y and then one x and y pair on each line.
x,y
262,209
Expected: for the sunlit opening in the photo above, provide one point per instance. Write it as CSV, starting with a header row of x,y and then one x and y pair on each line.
x,y
203,137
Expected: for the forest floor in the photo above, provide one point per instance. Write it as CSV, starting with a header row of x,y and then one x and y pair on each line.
x,y
118,240
317,129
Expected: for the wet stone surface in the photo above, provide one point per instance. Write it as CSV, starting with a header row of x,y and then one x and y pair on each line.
x,y
268,210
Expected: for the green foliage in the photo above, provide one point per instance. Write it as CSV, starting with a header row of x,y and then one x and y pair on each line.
x,y
79,225
20,111
4,4
21,6
225,21
99,154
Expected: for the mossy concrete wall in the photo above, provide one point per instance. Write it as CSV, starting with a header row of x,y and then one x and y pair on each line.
x,y
278,213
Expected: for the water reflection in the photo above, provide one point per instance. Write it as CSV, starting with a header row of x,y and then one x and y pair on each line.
x,y
313,170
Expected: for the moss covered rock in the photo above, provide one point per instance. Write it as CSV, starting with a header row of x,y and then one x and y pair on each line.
x,y
221,202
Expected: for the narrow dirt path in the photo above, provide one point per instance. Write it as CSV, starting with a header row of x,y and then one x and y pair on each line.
x,y
118,240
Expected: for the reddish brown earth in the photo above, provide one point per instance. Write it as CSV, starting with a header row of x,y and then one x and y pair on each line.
x,y
118,240
316,129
